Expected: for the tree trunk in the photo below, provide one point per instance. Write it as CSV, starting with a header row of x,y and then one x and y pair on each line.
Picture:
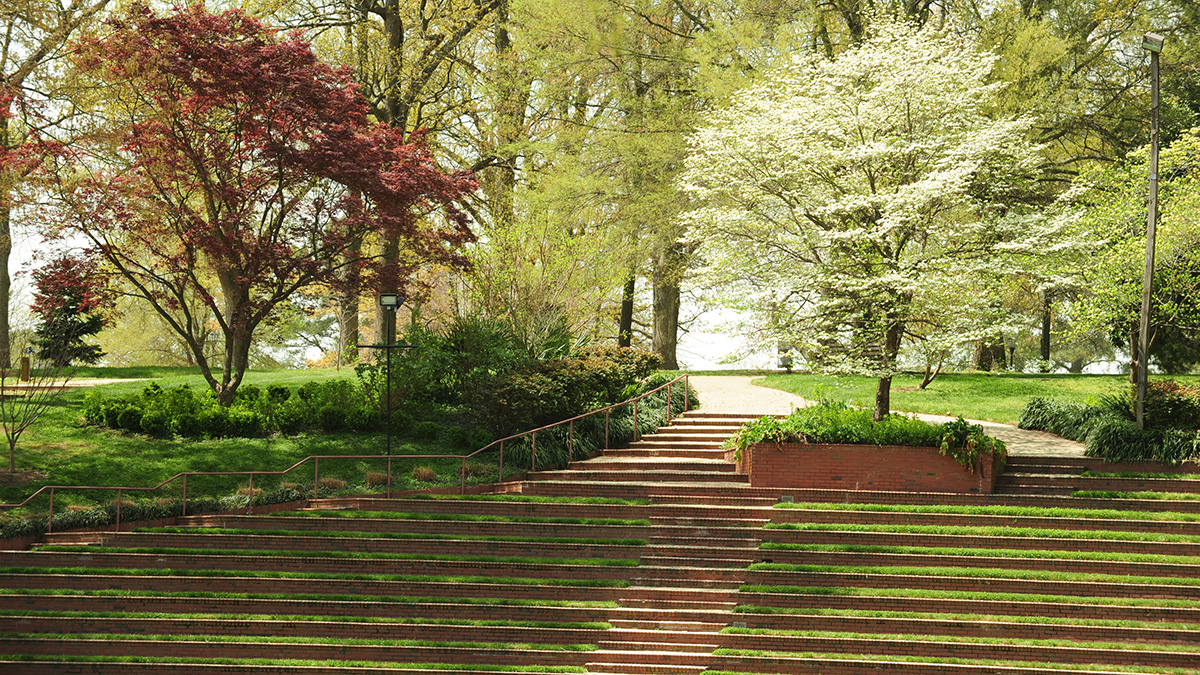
x,y
5,280
883,398
891,348
625,324
666,303
987,354
347,306
5,250
1134,354
930,374
1045,365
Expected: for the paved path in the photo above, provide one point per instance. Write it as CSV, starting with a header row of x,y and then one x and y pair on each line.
x,y
737,394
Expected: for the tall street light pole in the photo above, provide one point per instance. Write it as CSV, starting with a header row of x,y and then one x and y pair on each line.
x,y
1152,43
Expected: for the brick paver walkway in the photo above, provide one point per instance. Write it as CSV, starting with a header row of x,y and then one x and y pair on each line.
x,y
737,394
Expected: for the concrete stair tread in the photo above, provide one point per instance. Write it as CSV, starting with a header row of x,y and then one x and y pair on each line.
x,y
674,626
665,647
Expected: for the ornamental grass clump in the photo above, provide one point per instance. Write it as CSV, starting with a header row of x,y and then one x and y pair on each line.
x,y
1107,427
837,422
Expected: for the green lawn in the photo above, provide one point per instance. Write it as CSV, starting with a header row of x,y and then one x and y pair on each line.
x,y
67,452
998,397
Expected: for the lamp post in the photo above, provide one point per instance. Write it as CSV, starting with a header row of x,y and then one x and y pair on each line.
x,y
390,302
1153,43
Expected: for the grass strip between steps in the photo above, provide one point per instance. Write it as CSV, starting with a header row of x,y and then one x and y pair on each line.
x,y
267,553
459,517
987,531
960,617
1018,511
536,499
357,534
967,552
258,574
1053,666
316,618
272,639
961,639
979,572
1146,494
936,594
390,665
1046,665
320,597
1168,476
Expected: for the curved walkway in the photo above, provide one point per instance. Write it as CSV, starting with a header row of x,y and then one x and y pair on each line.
x,y
737,394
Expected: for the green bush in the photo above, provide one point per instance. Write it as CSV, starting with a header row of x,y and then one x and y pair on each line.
x,y
1107,428
455,436
836,422
426,431
333,405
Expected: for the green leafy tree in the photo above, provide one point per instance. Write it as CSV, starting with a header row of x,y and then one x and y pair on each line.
x,y
1110,206
836,198
70,299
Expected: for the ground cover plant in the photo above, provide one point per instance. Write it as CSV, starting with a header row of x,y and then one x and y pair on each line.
x,y
1107,426
836,422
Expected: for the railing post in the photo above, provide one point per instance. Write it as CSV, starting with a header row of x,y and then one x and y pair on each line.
x,y
571,441
533,453
250,499
462,472
50,523
184,495
668,403
316,477
607,411
501,478
636,432
389,478
118,509
685,393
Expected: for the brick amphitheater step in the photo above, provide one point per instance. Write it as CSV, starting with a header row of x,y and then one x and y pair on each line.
x,y
303,587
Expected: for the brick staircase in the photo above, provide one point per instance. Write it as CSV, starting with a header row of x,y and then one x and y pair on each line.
x,y
704,574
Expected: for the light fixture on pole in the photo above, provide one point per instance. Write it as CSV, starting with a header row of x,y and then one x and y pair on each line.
x,y
1153,43
390,302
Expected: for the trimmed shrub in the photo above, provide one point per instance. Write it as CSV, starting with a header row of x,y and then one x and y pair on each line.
x,y
455,437
426,431
836,422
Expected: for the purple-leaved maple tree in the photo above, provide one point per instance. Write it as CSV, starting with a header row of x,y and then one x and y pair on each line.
x,y
239,169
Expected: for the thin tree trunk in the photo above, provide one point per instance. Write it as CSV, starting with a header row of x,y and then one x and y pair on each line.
x,y
5,252
5,280
1134,354
625,324
347,306
1045,365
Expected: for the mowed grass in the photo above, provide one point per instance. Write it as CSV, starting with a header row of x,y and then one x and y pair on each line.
x,y
996,397
61,450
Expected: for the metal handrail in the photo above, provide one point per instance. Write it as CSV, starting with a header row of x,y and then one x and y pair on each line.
x,y
316,459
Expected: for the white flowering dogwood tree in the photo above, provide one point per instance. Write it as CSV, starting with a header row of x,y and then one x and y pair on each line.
x,y
851,202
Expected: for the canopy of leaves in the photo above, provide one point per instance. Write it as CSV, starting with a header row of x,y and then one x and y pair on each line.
x,y
238,168
840,199
1110,205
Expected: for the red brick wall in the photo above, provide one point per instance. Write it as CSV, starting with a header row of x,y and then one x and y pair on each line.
x,y
863,467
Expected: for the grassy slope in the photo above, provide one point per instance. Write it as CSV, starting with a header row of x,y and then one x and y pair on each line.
x,y
998,397
70,453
